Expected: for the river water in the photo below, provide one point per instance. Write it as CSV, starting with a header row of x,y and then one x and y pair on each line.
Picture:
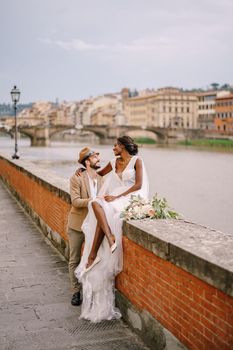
x,y
197,183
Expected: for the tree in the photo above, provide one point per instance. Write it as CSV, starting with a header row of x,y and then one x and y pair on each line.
x,y
225,87
215,86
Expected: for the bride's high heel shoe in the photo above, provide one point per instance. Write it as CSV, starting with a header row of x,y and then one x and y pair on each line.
x,y
113,247
95,262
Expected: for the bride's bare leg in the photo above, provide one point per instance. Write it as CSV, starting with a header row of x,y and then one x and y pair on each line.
x,y
99,236
102,222
102,229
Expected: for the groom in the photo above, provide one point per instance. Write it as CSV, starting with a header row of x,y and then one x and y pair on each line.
x,y
83,188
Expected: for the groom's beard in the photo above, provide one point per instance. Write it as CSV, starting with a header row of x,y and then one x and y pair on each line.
x,y
95,166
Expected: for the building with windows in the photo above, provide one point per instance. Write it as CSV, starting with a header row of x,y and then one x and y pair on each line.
x,y
103,116
206,108
224,114
37,115
100,110
47,114
167,107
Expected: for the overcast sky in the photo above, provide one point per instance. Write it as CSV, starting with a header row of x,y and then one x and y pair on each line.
x,y
73,49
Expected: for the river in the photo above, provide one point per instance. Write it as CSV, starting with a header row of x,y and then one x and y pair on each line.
x,y
197,183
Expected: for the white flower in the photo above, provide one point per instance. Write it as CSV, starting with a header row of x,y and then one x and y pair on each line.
x,y
136,209
140,208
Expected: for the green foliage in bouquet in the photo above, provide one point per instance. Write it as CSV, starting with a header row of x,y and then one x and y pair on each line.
x,y
140,208
162,209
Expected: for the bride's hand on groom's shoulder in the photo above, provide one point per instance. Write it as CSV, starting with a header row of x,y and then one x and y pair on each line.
x,y
110,198
79,171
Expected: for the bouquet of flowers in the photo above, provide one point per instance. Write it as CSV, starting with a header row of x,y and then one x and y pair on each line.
x,y
140,208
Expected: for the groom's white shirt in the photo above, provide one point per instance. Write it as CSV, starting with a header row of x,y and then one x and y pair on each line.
x,y
93,186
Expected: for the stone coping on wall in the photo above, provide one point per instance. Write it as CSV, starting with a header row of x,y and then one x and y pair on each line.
x,y
205,253
47,178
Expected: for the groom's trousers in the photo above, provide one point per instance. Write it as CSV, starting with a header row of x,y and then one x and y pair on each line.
x,y
76,239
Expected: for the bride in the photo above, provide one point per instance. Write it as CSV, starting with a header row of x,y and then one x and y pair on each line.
x,y
102,256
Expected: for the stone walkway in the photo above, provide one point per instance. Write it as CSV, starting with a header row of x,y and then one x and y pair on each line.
x,y
35,310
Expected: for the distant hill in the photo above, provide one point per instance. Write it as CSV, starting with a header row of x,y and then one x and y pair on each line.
x,y
7,108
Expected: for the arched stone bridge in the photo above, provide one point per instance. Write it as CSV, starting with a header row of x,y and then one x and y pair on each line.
x,y
41,135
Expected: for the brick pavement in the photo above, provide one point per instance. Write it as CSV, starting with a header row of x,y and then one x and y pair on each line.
x,y
35,310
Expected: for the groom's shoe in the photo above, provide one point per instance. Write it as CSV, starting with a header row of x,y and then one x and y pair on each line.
x,y
76,299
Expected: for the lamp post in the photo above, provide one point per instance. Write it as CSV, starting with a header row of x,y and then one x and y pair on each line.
x,y
15,95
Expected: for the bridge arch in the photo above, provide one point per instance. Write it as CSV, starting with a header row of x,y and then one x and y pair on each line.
x,y
23,132
11,133
161,133
97,131
6,132
158,132
142,134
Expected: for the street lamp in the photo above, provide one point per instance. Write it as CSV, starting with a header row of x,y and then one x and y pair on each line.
x,y
15,94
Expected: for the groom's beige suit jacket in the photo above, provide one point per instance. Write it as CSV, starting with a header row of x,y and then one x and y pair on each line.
x,y
80,196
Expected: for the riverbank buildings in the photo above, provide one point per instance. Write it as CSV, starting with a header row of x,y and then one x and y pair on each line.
x,y
164,108
224,114
174,108
101,110
208,106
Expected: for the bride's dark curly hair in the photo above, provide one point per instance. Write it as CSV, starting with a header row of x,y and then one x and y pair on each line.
x,y
128,142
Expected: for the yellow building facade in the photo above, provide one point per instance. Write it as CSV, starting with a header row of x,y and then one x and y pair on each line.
x,y
166,107
103,116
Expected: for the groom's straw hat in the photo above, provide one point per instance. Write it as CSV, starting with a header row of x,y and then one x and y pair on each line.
x,y
85,153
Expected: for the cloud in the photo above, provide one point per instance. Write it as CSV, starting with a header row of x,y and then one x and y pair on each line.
x,y
139,45
79,45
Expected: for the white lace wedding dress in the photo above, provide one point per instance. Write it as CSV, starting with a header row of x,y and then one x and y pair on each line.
x,y
98,283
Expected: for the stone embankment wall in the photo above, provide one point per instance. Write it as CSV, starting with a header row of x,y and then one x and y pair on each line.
x,y
177,276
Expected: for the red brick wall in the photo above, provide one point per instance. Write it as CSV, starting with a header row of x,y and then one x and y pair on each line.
x,y
198,314
52,209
